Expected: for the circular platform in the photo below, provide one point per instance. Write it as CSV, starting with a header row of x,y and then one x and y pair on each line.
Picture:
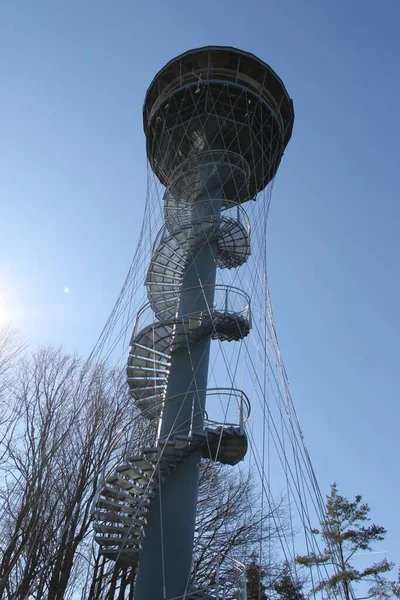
x,y
215,99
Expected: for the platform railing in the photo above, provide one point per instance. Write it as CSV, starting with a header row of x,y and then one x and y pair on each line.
x,y
223,75
222,586
181,217
222,169
227,300
225,407
211,158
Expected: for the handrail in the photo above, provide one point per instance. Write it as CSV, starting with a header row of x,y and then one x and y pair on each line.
x,y
223,286
241,215
218,287
192,79
242,164
244,405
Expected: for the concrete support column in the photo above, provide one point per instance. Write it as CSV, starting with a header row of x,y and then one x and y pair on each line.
x,y
166,558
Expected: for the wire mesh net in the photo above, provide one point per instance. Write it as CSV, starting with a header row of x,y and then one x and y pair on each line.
x,y
201,144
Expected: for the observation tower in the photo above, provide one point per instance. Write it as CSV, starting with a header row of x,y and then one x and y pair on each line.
x,y
217,121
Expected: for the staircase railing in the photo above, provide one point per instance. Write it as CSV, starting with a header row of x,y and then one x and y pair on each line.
x,y
183,216
226,407
227,300
219,591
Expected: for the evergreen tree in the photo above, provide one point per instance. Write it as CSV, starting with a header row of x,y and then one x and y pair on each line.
x,y
256,588
288,587
345,531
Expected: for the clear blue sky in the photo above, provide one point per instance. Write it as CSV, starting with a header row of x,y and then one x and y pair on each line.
x,y
72,186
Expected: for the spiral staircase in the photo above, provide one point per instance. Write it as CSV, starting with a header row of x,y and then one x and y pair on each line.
x,y
126,496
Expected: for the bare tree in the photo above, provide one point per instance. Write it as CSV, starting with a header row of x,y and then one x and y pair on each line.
x,y
11,348
72,420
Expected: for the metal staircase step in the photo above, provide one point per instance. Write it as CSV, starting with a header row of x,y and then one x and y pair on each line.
x,y
148,392
163,272
217,432
169,254
124,496
146,353
151,362
160,285
167,258
131,471
147,337
158,371
164,465
155,338
142,463
152,394
165,297
143,382
125,484
126,542
157,458
153,450
150,402
137,384
181,441
166,266
150,397
116,517
155,343
125,531
228,445
107,504
127,556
